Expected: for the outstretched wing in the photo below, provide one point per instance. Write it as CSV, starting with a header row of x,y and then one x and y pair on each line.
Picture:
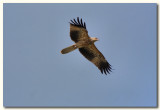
x,y
96,57
78,31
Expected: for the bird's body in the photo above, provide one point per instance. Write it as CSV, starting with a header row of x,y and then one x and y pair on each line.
x,y
85,44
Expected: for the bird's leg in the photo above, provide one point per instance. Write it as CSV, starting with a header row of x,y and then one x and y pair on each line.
x,y
75,46
80,44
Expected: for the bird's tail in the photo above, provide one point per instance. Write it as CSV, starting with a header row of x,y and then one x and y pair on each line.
x,y
68,49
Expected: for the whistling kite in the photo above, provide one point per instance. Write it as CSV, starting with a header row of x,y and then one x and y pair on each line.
x,y
85,44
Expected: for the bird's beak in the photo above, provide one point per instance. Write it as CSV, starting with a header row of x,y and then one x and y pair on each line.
x,y
97,39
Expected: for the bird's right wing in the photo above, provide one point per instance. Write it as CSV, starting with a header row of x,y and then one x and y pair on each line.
x,y
78,31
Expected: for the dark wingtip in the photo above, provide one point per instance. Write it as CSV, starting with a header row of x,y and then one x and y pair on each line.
x,y
78,20
85,25
101,71
105,67
78,23
75,22
72,22
81,22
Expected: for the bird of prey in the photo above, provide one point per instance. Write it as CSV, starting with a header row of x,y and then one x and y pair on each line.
x,y
85,44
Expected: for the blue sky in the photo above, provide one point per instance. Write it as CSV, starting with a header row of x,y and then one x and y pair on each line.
x,y
36,74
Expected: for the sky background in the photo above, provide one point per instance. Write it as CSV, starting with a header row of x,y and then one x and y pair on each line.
x,y
36,74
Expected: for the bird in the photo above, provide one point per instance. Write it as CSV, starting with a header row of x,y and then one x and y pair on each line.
x,y
85,44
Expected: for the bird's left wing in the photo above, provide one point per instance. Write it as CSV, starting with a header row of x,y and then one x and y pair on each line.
x,y
96,57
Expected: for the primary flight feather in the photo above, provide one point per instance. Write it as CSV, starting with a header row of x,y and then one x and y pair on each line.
x,y
85,44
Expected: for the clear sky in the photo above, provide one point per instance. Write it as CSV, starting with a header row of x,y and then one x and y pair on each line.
x,y
36,74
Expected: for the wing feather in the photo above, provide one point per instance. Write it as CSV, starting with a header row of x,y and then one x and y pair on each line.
x,y
75,22
72,22
78,20
96,57
81,22
84,24
78,31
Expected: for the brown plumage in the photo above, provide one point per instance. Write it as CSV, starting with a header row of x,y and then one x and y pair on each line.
x,y
85,44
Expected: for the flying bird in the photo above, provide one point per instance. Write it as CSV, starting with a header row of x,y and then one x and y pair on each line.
x,y
86,46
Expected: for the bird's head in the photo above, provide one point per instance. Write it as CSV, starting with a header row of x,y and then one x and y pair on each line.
x,y
94,39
